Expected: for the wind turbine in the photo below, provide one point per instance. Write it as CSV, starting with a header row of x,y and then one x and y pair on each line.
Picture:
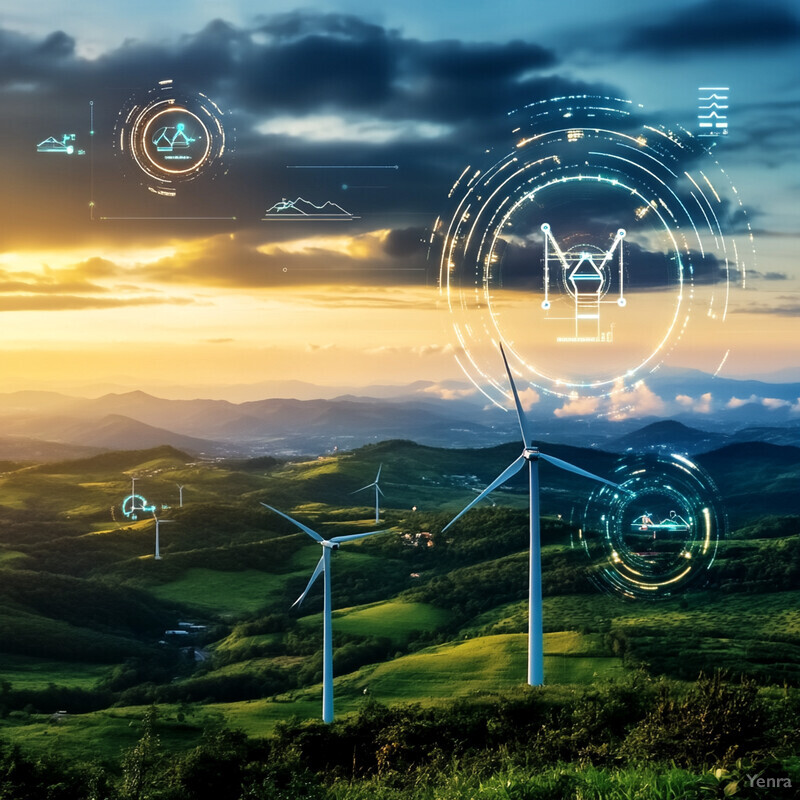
x,y
133,495
180,492
323,567
377,492
159,522
531,455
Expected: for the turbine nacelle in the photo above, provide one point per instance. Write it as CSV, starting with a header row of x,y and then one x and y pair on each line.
x,y
531,453
330,545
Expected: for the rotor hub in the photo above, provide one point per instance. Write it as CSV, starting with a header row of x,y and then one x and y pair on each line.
x,y
330,545
531,453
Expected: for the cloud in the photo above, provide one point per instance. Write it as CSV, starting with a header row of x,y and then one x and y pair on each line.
x,y
373,258
638,401
715,25
68,288
433,349
700,405
416,350
736,402
783,305
74,302
528,398
772,403
346,128
449,393
577,406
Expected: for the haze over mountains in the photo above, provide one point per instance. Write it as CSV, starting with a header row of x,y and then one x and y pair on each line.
x,y
694,414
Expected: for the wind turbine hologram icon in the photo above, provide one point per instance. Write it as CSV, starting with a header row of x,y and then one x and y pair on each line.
x,y
323,568
586,275
378,492
531,455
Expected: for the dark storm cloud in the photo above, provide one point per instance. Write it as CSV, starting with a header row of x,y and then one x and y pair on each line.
x,y
300,62
291,65
23,59
783,306
296,64
716,25
242,262
405,242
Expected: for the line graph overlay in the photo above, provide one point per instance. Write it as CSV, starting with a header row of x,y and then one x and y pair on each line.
x,y
302,210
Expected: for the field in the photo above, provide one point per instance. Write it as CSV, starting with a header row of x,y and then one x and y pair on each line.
x,y
84,607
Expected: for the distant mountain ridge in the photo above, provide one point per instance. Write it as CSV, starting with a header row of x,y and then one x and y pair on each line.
x,y
449,414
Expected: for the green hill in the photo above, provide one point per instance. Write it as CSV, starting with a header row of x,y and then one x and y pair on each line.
x,y
84,606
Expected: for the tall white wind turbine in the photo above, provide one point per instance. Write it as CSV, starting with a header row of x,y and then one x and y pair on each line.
x,y
531,455
323,568
158,523
180,494
378,492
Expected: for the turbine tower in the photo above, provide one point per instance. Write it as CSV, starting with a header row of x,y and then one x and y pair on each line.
x,y
159,522
180,494
323,567
133,495
531,455
377,493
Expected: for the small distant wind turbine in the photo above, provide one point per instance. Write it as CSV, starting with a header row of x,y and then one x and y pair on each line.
x,y
377,492
180,492
323,567
531,455
159,522
133,495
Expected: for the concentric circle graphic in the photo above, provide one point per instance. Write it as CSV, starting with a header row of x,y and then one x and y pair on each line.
x,y
594,250
134,505
657,535
171,137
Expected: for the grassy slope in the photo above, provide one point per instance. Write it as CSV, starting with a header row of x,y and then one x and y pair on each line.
x,y
396,620
25,672
494,661
484,665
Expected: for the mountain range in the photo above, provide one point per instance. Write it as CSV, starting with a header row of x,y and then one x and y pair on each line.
x,y
445,415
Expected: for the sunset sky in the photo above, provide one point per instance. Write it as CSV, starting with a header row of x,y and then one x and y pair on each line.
x,y
421,86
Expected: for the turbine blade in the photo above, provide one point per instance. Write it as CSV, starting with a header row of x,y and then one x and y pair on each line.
x,y
527,438
380,490
557,462
511,470
313,534
378,476
368,486
340,539
320,567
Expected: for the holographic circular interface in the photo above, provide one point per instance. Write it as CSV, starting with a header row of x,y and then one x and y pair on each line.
x,y
598,246
172,137
135,505
657,535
